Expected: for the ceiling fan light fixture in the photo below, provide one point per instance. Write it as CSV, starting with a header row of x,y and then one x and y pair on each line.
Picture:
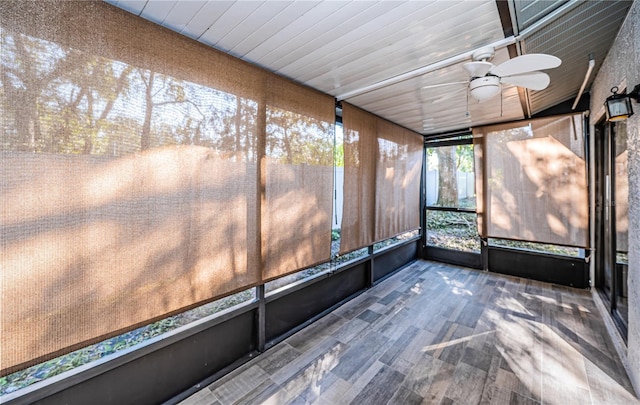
x,y
484,88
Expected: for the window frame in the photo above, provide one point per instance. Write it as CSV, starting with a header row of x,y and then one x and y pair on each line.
x,y
464,139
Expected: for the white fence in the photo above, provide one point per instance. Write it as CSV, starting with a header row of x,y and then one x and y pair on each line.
x,y
466,186
338,198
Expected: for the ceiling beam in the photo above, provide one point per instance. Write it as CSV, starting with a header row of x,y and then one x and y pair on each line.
x,y
504,10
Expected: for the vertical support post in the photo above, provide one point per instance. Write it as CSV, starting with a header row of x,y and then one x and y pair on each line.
x,y
423,204
262,312
611,219
589,153
370,274
261,181
484,252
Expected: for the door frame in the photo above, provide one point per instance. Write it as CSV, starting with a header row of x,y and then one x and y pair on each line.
x,y
605,220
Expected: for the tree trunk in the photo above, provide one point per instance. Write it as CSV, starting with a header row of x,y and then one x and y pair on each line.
x,y
447,177
145,138
287,144
238,146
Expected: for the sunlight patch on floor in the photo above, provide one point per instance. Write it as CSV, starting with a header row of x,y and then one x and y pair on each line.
x,y
453,342
549,366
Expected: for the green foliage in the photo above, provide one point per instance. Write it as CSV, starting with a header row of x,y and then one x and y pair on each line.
x,y
296,139
26,377
453,230
70,102
338,155
464,158
458,231
534,246
335,234
395,240
464,155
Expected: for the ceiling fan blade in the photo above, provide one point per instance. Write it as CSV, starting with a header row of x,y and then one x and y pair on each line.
x,y
478,68
433,86
532,80
526,63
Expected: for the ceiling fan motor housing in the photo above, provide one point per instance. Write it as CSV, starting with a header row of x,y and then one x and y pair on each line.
x,y
484,54
484,88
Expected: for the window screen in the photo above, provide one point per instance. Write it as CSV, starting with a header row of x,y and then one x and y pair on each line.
x,y
360,149
298,177
143,173
383,163
398,169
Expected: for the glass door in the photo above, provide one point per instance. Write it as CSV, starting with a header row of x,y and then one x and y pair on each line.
x,y
451,225
612,218
620,203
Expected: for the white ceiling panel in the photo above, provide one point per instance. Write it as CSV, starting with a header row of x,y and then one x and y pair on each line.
x,y
295,28
254,22
157,11
359,72
232,17
437,109
205,18
182,13
345,47
326,34
364,39
132,6
256,35
371,53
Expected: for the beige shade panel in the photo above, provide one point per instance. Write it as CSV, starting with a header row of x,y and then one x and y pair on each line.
x,y
133,180
97,29
360,155
480,181
93,246
298,178
398,172
532,181
296,221
382,173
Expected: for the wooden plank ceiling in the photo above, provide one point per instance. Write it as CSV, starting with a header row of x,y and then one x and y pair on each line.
x,y
344,47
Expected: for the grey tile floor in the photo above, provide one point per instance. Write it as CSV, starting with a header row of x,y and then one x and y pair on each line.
x,y
440,334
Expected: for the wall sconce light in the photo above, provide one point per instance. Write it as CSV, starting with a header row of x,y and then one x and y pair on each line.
x,y
618,106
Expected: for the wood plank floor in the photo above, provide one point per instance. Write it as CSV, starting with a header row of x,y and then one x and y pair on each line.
x,y
440,334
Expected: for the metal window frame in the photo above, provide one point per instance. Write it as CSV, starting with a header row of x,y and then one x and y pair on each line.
x,y
437,253
559,269
149,370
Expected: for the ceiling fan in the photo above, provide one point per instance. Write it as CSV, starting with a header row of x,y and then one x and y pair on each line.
x,y
523,71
